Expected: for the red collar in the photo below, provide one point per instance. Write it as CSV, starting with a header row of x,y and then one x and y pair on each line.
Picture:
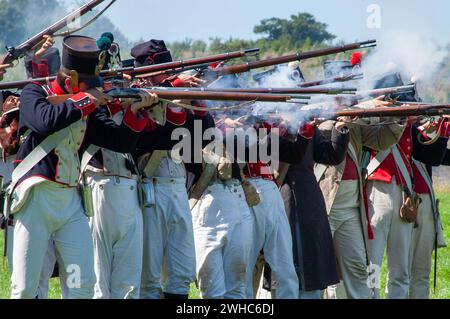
x,y
56,88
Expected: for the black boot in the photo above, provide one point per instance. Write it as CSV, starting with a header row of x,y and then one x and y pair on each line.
x,y
176,297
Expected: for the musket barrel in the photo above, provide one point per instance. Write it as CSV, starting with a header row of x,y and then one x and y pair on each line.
x,y
413,110
332,80
278,90
181,63
199,95
293,57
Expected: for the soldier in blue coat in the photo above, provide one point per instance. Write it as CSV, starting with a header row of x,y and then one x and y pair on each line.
x,y
45,199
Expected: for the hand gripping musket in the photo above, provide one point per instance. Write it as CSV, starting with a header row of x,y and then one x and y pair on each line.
x,y
241,68
15,53
350,100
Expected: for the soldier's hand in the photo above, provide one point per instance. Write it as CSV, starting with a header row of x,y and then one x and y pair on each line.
x,y
3,68
191,81
230,123
147,100
347,120
341,125
98,97
379,102
49,42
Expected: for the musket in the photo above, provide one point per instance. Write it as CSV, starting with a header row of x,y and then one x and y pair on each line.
x,y
199,68
169,94
145,71
402,111
350,77
175,66
331,91
324,115
199,95
350,100
15,53
241,68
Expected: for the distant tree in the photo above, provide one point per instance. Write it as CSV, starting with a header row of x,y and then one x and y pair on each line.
x,y
296,30
21,19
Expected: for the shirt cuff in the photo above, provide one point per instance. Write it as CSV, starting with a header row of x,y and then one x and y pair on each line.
x,y
307,131
174,117
177,83
201,104
137,122
114,107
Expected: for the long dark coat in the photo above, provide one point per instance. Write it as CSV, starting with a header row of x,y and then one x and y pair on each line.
x,y
314,254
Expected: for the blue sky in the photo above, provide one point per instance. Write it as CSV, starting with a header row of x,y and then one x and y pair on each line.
x,y
200,19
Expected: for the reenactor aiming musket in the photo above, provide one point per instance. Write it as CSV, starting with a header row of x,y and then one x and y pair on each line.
x,y
15,53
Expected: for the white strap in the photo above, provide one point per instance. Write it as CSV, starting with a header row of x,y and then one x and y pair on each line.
x,y
376,162
319,171
403,170
36,155
87,156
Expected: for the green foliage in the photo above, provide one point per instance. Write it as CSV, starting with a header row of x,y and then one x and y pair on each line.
x,y
21,19
295,31
280,36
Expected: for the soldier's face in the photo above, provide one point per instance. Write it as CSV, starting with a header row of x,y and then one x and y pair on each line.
x,y
11,103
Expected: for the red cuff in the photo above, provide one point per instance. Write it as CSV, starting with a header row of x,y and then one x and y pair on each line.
x,y
40,70
201,104
114,107
177,83
307,131
82,102
136,123
177,118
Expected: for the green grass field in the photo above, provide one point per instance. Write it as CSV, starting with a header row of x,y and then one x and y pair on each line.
x,y
442,289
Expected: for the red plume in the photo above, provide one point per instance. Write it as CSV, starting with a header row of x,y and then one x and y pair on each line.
x,y
356,58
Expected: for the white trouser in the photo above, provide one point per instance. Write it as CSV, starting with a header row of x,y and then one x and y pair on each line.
x,y
169,251
47,268
391,234
422,250
117,236
52,211
348,237
272,234
223,226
